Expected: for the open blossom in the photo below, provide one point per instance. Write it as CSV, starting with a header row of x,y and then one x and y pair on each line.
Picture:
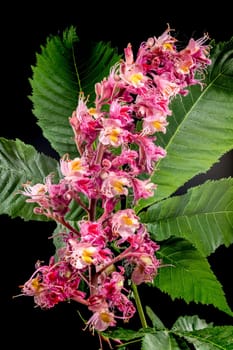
x,y
124,223
112,133
81,254
145,270
143,188
195,53
121,113
84,123
36,192
74,168
102,317
115,185
117,152
143,257
93,233
51,198
52,284
101,320
127,158
110,294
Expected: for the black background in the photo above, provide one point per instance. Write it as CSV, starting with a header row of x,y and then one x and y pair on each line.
x,y
23,29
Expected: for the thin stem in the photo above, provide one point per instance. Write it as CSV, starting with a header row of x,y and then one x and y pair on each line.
x,y
92,209
76,69
78,200
121,256
139,306
93,201
66,224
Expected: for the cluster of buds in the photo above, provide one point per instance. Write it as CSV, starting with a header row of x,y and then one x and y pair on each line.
x,y
110,248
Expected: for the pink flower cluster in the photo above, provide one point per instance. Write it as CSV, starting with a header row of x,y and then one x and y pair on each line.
x,y
117,153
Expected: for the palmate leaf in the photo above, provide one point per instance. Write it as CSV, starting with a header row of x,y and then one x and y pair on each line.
x,y
190,323
200,129
20,163
124,333
204,216
60,73
197,282
214,338
149,337
201,335
188,332
162,340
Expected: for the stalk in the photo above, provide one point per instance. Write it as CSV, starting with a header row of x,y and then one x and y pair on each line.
x,y
139,306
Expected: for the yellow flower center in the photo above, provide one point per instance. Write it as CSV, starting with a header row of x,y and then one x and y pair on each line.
x,y
184,69
87,255
41,189
118,186
127,220
114,135
146,259
36,284
105,317
169,89
136,78
76,165
185,66
92,111
156,124
168,46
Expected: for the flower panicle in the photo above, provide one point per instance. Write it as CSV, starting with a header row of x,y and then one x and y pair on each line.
x,y
116,154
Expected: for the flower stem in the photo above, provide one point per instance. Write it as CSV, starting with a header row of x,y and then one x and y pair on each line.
x,y
139,306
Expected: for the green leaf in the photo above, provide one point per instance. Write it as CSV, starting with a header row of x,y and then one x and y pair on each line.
x,y
186,330
189,323
201,335
156,322
60,73
58,238
204,216
76,212
200,129
162,340
197,283
214,338
20,163
124,334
